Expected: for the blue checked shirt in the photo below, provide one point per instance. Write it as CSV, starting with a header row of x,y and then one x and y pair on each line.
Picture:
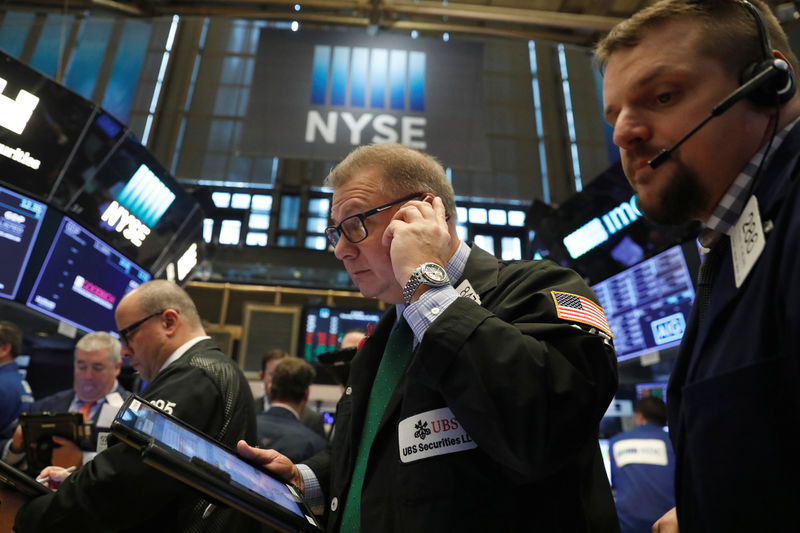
x,y
727,212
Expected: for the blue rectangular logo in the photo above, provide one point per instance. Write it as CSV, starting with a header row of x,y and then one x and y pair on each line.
x,y
377,78
668,329
146,196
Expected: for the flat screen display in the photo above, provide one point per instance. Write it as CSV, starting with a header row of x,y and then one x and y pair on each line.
x,y
648,305
20,221
133,203
657,389
83,279
325,327
40,124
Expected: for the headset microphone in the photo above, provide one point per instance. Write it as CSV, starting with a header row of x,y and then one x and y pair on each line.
x,y
775,67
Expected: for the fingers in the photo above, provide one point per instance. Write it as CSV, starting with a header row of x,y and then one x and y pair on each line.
x,y
61,441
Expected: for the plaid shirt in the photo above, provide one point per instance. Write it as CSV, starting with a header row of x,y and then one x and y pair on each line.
x,y
727,212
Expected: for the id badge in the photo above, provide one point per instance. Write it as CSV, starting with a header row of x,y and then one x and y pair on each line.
x,y
747,241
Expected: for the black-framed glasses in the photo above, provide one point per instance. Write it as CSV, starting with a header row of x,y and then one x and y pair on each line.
x,y
123,333
353,227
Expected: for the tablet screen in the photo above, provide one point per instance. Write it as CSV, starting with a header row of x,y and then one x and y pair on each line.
x,y
141,417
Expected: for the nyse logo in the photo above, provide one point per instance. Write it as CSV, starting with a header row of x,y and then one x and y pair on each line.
x,y
377,79
146,196
14,114
118,218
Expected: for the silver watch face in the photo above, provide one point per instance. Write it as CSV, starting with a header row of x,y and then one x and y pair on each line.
x,y
434,273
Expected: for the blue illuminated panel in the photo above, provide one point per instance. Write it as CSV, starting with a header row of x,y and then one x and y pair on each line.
x,y
340,69
416,81
648,305
397,78
83,279
379,66
358,77
319,74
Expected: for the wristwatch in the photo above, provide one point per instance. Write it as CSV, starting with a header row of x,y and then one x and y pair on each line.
x,y
426,274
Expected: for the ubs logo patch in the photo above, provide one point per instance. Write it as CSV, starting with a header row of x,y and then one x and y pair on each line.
x,y
432,433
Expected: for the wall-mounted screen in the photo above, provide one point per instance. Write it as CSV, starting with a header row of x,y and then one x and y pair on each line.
x,y
133,203
324,327
648,305
83,279
657,389
20,221
40,124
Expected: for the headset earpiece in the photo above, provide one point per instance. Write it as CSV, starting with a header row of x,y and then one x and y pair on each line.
x,y
775,92
781,87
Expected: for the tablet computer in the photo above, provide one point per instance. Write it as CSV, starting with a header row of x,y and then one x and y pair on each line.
x,y
20,481
213,468
38,430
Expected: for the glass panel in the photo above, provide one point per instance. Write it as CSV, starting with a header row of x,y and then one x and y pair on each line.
x,y
290,212
127,66
45,57
256,239
221,199
286,240
208,229
316,243
319,206
497,217
477,215
240,200
516,218
15,28
462,213
261,202
88,55
462,232
316,224
486,242
511,248
259,221
229,231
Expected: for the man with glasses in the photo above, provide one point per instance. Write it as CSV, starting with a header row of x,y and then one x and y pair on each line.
x,y
189,377
483,415
95,393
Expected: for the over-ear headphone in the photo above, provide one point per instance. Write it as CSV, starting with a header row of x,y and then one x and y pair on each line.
x,y
781,87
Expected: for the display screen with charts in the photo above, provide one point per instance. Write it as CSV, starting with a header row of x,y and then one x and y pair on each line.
x,y
211,467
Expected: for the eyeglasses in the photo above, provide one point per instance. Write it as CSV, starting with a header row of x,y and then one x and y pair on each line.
x,y
123,333
353,227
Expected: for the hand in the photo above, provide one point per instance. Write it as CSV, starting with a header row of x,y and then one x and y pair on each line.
x,y
66,453
667,523
56,474
276,463
17,443
418,233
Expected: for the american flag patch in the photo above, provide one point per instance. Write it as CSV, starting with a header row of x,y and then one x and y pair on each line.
x,y
580,309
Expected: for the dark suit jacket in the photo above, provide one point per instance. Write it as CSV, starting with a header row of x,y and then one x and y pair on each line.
x,y
734,399
279,429
309,417
515,392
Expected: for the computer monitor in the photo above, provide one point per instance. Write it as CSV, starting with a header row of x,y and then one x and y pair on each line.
x,y
83,279
657,389
647,306
324,327
41,122
20,221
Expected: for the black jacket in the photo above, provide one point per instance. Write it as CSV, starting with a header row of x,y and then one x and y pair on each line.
x,y
529,390
116,491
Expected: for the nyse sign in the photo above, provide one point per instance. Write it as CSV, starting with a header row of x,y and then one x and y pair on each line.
x,y
366,128
316,95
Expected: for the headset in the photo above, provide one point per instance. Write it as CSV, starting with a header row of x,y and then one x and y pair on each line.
x,y
781,87
767,82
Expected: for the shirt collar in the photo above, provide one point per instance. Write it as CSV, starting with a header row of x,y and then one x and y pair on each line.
x,y
727,212
182,349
